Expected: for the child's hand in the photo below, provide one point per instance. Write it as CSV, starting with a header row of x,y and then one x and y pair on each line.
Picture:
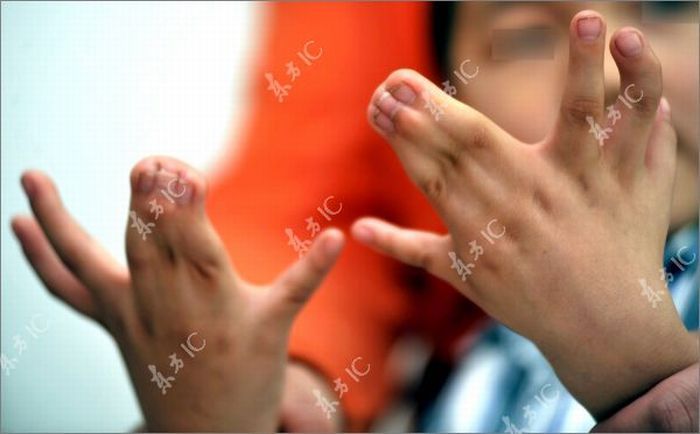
x,y
569,229
180,311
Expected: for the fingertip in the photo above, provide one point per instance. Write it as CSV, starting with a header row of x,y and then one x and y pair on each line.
x,y
28,182
627,43
362,230
20,224
22,229
16,223
36,181
588,25
333,242
16,226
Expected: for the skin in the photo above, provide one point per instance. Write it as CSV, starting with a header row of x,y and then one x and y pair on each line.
x,y
179,281
73,267
594,214
671,406
537,87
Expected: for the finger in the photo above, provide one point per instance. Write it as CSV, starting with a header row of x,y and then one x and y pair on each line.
x,y
640,91
294,287
660,156
584,93
409,107
421,249
47,265
77,250
437,138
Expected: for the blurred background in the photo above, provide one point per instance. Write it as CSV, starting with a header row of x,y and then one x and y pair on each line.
x,y
88,89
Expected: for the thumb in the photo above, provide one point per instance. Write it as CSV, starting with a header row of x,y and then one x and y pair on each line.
x,y
296,284
416,248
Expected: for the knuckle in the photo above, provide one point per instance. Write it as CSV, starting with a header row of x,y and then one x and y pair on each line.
x,y
206,270
647,106
576,110
542,200
298,295
479,137
433,187
448,159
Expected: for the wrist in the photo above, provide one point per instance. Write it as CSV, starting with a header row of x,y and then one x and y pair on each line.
x,y
611,359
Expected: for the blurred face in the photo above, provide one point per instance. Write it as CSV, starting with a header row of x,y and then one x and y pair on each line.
x,y
522,95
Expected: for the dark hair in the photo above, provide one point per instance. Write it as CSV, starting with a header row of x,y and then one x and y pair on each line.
x,y
442,22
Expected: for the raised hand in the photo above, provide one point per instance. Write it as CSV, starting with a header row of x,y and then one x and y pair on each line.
x,y
206,350
560,240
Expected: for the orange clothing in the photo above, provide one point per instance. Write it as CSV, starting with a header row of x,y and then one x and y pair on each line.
x,y
317,143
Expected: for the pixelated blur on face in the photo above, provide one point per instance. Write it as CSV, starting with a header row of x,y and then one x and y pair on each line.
x,y
521,91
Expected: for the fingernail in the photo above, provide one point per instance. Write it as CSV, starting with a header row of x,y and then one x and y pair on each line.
x,y
405,94
363,234
146,182
589,28
629,43
388,104
665,108
27,185
384,123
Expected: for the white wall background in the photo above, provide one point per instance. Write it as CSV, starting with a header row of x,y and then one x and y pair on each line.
x,y
88,89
